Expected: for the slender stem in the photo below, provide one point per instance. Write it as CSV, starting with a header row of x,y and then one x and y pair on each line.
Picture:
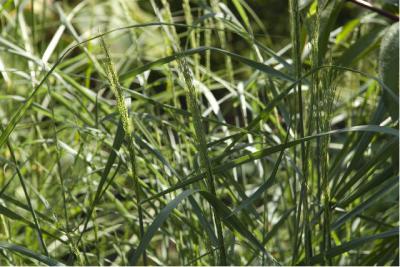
x,y
200,136
380,11
28,199
33,23
128,129
296,55
191,94
132,156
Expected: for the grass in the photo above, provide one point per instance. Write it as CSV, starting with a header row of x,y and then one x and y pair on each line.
x,y
184,133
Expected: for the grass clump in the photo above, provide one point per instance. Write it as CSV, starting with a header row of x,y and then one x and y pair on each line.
x,y
185,133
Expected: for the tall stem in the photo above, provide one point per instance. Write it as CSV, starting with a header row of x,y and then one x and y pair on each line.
x,y
296,56
128,129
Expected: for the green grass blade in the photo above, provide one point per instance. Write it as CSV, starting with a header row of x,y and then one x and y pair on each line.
x,y
335,251
31,254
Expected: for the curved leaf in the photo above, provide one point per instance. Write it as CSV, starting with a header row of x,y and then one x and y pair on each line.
x,y
335,251
29,253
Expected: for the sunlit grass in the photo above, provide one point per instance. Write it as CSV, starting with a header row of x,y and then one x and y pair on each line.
x,y
164,133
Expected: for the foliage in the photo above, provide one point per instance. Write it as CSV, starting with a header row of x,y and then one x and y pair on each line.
x,y
198,132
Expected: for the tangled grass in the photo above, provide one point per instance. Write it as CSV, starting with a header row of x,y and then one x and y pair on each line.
x,y
185,133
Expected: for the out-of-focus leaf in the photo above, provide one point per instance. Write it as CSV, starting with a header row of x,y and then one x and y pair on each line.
x,y
29,253
360,48
389,66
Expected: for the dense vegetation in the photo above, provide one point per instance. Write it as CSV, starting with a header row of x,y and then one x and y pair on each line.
x,y
198,132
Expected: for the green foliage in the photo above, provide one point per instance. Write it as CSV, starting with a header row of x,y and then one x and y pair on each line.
x,y
389,66
198,132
